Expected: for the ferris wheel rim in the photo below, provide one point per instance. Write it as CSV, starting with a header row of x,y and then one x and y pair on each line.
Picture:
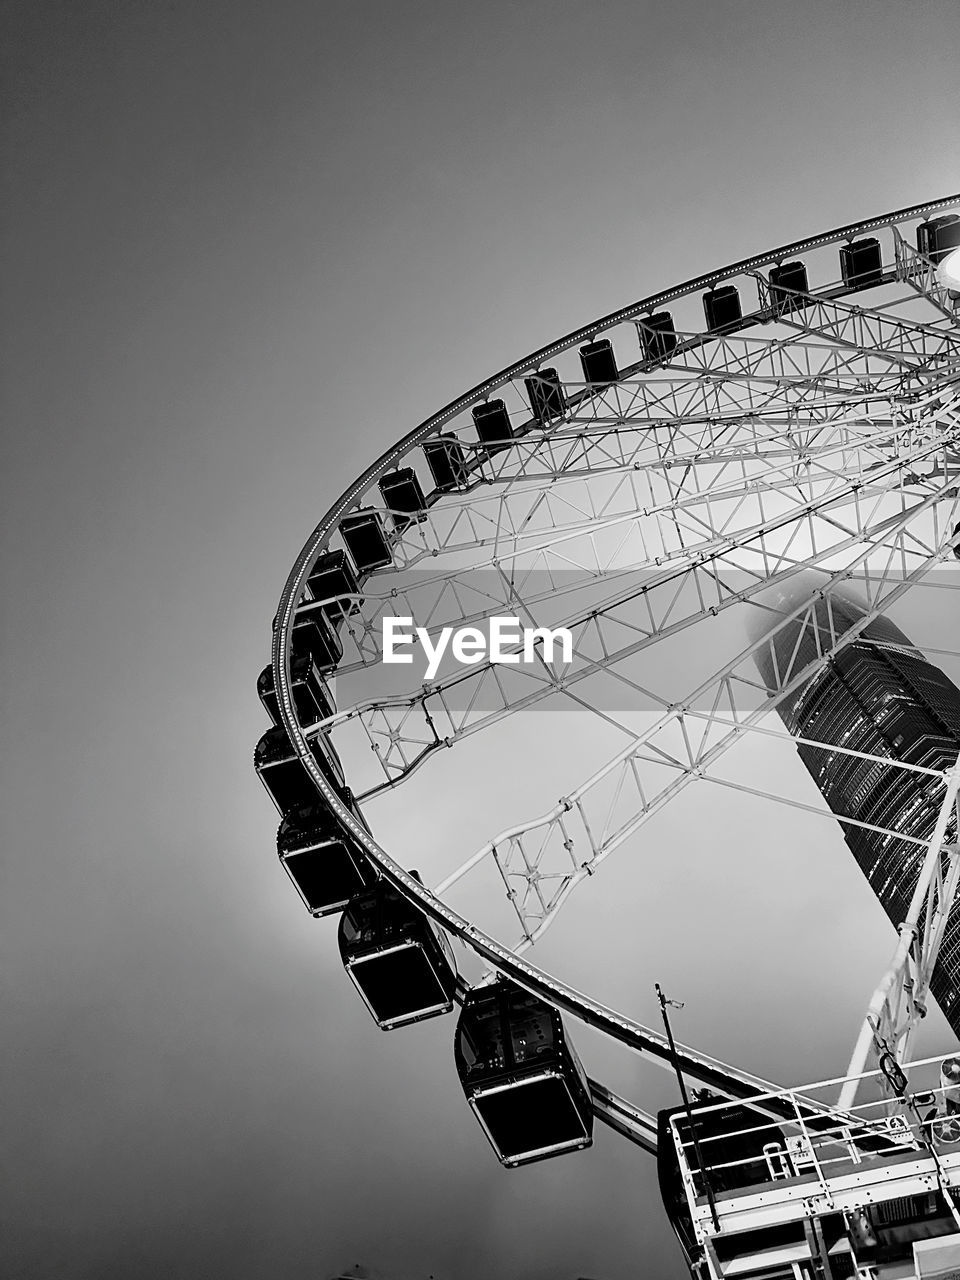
x,y
560,994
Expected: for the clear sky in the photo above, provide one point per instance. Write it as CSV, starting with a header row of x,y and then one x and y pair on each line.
x,y
245,247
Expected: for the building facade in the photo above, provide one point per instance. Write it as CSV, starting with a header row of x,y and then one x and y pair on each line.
x,y
878,695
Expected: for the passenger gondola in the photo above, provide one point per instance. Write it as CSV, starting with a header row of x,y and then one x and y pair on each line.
x,y
321,857
311,697
399,961
658,337
860,263
366,541
545,392
314,633
494,430
599,363
447,463
936,238
787,280
333,581
721,308
284,776
521,1075
403,497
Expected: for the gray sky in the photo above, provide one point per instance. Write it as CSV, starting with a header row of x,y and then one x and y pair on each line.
x,y
244,248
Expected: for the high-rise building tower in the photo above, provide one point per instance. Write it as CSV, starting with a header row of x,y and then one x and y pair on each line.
x,y
878,695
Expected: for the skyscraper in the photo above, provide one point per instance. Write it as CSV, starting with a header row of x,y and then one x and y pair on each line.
x,y
878,695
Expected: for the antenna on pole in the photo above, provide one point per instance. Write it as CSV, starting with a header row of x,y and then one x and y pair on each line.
x,y
678,1004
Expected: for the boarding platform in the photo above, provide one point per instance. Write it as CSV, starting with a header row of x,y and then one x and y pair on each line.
x,y
786,1186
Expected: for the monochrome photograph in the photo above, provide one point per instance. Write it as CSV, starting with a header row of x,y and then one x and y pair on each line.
x,y
482,640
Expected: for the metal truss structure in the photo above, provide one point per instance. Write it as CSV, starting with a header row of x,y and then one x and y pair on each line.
x,y
899,1002
765,465
795,1205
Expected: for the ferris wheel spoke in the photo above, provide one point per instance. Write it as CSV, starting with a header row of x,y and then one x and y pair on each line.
x,y
609,635
492,697
533,450
559,553
875,335
629,445
485,518
691,399
828,337
609,808
460,722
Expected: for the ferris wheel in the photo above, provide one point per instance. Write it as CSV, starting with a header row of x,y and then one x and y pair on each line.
x,y
753,470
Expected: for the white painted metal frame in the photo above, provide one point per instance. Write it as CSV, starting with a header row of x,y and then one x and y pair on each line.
x,y
860,403
824,1169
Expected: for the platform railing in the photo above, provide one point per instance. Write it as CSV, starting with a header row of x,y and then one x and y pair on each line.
x,y
777,1149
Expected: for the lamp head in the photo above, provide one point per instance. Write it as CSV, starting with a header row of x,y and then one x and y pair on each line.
x,y
948,272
